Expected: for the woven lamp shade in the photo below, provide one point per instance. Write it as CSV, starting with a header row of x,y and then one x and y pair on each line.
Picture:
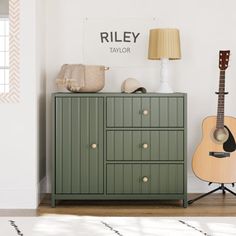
x,y
164,43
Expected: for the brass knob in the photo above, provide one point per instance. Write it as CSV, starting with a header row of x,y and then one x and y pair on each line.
x,y
145,146
145,179
94,146
145,112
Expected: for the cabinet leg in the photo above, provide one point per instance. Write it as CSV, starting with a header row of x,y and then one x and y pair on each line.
x,y
185,202
53,203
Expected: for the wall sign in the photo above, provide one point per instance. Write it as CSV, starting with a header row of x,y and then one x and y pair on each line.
x,y
117,42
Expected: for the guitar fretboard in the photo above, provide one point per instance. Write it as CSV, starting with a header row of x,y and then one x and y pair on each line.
x,y
221,101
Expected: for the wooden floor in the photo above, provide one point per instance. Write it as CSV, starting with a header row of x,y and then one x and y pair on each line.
x,y
213,205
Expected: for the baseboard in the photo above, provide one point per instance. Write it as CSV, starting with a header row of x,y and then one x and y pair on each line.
x,y
22,198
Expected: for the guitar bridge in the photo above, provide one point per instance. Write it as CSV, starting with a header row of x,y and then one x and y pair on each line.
x,y
219,154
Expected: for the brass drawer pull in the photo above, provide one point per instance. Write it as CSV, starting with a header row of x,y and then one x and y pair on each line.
x,y
145,146
94,146
145,112
145,179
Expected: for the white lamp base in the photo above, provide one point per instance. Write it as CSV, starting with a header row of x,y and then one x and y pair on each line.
x,y
164,86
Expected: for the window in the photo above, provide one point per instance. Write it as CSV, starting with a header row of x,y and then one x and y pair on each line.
x,y
4,55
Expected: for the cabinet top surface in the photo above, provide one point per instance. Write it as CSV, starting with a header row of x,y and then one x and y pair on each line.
x,y
117,94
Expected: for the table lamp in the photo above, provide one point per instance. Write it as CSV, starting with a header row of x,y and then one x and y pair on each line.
x,y
164,45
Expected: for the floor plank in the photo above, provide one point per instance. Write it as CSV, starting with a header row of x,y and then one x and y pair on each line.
x,y
213,205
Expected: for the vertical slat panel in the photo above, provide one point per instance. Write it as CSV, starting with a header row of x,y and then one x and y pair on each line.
x,y
176,179
180,179
164,152
118,145
154,148
119,112
84,145
172,145
110,179
145,152
145,172
66,146
59,144
128,176
137,112
137,148
128,145
127,112
164,178
155,178
93,153
119,182
110,112
155,108
101,144
173,113
164,112
136,178
180,112
87,128
75,145
172,173
127,151
180,145
110,145
146,118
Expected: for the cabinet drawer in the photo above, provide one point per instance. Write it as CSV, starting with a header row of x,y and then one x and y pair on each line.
x,y
144,179
145,112
145,145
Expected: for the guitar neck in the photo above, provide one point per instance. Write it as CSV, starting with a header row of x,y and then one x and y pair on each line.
x,y
221,101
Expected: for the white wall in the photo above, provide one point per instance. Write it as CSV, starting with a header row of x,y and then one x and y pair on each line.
x,y
205,25
18,174
20,130
41,95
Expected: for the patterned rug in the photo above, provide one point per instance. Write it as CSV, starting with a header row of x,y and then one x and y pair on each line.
x,y
68,225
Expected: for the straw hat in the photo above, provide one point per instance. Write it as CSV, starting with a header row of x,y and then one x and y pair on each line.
x,y
132,85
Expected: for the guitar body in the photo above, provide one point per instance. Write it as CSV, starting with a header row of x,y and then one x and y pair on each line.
x,y
212,168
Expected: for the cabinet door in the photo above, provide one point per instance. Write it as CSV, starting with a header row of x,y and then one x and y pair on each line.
x,y
79,145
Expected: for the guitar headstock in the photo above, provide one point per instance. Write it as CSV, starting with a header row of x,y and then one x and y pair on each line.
x,y
224,59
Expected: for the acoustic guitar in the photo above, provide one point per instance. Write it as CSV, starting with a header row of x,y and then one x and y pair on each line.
x,y
215,158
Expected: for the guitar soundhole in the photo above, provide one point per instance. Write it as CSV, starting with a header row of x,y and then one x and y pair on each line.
x,y
221,135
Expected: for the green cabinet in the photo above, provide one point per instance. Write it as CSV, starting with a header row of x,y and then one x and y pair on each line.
x,y
119,146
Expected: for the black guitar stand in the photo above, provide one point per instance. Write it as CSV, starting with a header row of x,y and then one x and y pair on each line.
x,y
221,187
